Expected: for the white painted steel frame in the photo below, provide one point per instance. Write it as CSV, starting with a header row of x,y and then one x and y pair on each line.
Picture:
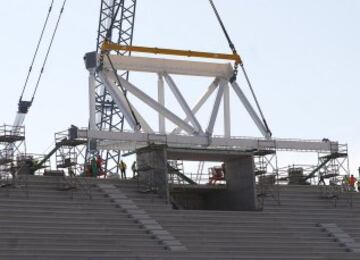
x,y
195,137
130,141
161,100
183,103
177,67
154,104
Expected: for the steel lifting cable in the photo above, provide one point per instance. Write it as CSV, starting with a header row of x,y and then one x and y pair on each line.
x,y
48,50
37,48
233,78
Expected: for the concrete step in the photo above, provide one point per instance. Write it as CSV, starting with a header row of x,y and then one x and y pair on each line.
x,y
78,232
88,241
212,254
75,207
183,230
79,247
266,247
128,234
199,238
47,201
61,212
123,222
47,193
248,219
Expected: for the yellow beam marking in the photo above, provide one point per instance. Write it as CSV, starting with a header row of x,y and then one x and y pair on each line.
x,y
108,46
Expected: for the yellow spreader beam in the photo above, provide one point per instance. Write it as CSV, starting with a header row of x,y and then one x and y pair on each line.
x,y
108,46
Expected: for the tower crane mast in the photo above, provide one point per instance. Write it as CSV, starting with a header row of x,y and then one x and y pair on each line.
x,y
116,23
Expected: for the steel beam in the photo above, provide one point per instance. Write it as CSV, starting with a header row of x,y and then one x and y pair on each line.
x,y
177,67
215,110
161,100
200,102
156,106
118,97
184,105
227,115
116,140
92,101
250,109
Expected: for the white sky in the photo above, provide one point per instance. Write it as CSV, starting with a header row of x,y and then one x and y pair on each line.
x,y
301,55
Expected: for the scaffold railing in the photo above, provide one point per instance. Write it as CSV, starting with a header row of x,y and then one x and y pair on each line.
x,y
10,134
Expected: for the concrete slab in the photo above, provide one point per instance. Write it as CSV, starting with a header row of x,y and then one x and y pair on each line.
x,y
159,232
153,227
138,216
171,243
118,196
128,206
136,212
147,221
177,248
164,238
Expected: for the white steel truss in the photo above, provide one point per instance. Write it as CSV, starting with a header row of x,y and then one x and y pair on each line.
x,y
188,131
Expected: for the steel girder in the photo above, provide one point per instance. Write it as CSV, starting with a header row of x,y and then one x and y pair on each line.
x,y
120,16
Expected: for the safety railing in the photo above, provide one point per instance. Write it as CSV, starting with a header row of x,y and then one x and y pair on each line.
x,y
9,130
336,191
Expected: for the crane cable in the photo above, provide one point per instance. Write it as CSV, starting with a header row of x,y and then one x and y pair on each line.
x,y
48,50
37,48
233,78
106,53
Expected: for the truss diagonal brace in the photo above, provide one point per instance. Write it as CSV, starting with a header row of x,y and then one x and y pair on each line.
x,y
201,102
118,97
251,110
183,103
156,106
214,113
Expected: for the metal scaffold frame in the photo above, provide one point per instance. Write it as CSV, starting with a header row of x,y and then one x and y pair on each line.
x,y
116,23
12,144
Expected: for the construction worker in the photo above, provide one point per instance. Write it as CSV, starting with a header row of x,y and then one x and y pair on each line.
x,y
133,168
94,168
122,166
352,181
321,179
345,183
99,163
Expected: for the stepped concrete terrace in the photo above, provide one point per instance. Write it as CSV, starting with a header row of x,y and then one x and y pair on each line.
x,y
50,222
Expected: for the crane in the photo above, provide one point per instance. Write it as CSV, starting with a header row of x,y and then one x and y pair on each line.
x,y
115,34
16,133
24,105
116,24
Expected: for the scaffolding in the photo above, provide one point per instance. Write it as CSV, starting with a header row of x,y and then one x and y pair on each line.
x,y
70,154
12,143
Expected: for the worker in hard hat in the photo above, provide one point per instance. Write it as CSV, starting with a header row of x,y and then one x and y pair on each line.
x,y
345,183
352,181
122,166
99,163
133,168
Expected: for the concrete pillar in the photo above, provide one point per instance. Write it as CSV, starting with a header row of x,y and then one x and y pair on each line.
x,y
240,179
152,169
